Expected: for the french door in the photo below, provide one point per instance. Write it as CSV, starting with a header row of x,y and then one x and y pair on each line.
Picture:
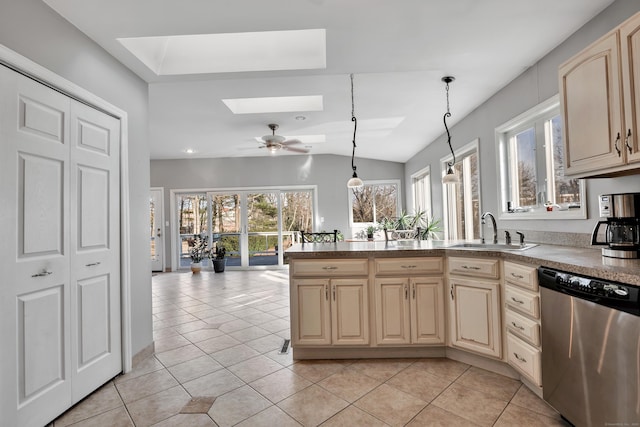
x,y
254,226
247,224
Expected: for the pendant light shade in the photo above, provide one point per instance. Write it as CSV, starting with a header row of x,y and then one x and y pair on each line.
x,y
354,181
451,177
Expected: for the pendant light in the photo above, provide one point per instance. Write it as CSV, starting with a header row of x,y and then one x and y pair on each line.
x,y
450,177
354,182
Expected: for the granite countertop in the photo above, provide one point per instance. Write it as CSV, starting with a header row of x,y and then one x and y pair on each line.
x,y
585,261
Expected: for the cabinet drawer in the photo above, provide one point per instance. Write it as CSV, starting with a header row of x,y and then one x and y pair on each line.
x,y
525,358
413,266
523,327
522,301
521,275
477,267
330,267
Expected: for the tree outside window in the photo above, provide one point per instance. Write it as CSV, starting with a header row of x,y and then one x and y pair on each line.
x,y
373,202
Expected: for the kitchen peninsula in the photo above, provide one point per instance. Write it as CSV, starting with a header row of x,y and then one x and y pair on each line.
x,y
430,299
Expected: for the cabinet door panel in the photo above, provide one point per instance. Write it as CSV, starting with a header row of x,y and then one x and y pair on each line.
x,y
311,320
427,311
349,312
590,103
630,55
392,311
475,322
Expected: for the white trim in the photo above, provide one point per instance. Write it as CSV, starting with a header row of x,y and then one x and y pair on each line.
x,y
517,124
469,148
24,64
162,226
419,175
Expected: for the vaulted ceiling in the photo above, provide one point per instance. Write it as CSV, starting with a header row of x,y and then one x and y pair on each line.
x,y
398,51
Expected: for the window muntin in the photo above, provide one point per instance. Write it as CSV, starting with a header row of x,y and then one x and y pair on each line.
x,y
532,182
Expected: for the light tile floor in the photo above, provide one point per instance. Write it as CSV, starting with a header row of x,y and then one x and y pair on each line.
x,y
217,338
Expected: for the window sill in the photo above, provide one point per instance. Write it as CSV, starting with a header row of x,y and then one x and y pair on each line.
x,y
544,214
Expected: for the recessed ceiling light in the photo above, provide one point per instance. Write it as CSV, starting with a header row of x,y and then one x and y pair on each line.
x,y
231,52
189,151
301,118
274,104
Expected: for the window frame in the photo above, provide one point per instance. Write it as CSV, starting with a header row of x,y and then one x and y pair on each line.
x,y
360,225
532,118
424,175
450,231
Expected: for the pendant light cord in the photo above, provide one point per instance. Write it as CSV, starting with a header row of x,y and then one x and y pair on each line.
x,y
444,119
355,126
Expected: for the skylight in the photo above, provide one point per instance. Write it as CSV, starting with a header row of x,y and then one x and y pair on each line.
x,y
274,104
231,52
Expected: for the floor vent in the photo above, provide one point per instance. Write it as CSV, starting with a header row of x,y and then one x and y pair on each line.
x,y
285,347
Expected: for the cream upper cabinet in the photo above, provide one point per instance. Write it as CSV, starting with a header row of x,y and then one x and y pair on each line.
x,y
475,316
630,55
590,104
600,100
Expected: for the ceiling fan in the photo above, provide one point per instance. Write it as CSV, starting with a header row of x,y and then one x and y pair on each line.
x,y
275,142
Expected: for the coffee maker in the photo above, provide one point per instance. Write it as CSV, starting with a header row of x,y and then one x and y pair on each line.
x,y
622,213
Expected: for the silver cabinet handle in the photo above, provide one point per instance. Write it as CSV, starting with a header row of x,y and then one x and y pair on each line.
x,y
414,291
517,326
517,276
520,358
451,292
330,268
42,274
615,145
406,292
626,141
326,292
91,264
408,266
333,289
517,300
473,267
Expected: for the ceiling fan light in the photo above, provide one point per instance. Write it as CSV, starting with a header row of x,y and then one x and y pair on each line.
x,y
355,182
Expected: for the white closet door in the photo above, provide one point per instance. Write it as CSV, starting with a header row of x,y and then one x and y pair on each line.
x,y
59,251
35,291
95,249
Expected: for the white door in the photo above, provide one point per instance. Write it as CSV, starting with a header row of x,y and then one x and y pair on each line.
x,y
156,235
95,249
60,293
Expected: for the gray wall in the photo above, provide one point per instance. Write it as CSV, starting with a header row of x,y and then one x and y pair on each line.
x,y
329,172
535,85
32,29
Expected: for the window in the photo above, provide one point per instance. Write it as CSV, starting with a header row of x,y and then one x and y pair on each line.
x,y
421,186
374,201
462,200
531,157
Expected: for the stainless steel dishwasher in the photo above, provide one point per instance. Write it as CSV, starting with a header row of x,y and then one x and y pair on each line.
x,y
590,348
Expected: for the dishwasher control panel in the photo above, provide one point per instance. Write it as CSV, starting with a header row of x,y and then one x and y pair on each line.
x,y
611,294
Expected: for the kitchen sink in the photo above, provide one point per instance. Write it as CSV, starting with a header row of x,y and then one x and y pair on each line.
x,y
494,246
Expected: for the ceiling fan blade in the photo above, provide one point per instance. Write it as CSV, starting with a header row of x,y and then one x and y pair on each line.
x,y
295,150
291,142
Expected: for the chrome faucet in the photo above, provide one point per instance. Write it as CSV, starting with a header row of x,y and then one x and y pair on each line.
x,y
495,227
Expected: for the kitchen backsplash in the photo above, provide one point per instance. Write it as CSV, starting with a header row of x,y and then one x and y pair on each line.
x,y
581,240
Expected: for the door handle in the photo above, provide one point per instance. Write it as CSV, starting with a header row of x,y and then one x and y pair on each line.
x,y
615,145
91,264
626,141
42,273
413,289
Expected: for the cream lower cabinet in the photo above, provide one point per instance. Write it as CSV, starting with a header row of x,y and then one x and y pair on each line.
x,y
522,320
330,312
409,301
475,306
409,310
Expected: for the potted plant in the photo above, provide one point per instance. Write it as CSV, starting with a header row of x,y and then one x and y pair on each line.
x,y
370,230
198,252
218,259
